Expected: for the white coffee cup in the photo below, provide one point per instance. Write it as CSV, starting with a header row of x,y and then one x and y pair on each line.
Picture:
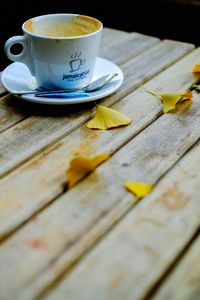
x,y
60,50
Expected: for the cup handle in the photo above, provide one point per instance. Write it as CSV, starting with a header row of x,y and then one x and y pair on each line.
x,y
24,56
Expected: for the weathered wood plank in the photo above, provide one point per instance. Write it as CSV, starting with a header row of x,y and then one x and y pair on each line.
x,y
111,35
129,46
184,282
52,242
13,110
144,244
44,176
10,114
1,86
37,132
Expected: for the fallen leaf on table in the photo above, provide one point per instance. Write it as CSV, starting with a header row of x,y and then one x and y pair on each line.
x,y
196,73
183,106
196,69
81,166
188,96
106,118
170,100
139,189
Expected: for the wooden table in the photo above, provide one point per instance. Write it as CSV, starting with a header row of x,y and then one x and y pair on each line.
x,y
94,241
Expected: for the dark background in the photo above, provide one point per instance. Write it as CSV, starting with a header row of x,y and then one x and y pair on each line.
x,y
160,18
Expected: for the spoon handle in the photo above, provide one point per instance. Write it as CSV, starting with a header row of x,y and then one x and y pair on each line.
x,y
93,86
99,83
35,92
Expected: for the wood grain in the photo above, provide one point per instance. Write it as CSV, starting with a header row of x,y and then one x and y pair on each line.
x,y
1,86
143,245
112,36
11,112
48,125
183,282
128,47
43,178
58,236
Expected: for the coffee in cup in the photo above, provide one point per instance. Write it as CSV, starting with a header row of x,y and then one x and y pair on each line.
x,y
60,50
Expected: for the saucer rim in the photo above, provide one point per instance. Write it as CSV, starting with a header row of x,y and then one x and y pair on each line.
x,y
64,101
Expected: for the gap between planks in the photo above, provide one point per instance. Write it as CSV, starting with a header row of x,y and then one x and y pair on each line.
x,y
146,158
183,282
43,177
132,258
36,133
174,268
108,231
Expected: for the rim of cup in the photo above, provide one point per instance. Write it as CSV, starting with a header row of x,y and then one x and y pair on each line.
x,y
61,37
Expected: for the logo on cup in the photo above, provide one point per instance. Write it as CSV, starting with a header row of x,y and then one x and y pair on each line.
x,y
76,63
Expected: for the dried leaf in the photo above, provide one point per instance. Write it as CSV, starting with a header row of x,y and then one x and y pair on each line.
x,y
188,96
196,73
106,118
139,189
81,166
170,100
196,69
183,106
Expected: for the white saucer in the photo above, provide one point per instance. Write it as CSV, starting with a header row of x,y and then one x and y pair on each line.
x,y
16,77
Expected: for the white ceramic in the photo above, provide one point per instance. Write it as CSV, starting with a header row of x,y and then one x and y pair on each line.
x,y
16,77
57,61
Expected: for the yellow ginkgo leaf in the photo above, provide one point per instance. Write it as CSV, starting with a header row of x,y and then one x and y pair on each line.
x,y
196,69
188,96
185,102
81,166
196,73
170,100
139,189
106,118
